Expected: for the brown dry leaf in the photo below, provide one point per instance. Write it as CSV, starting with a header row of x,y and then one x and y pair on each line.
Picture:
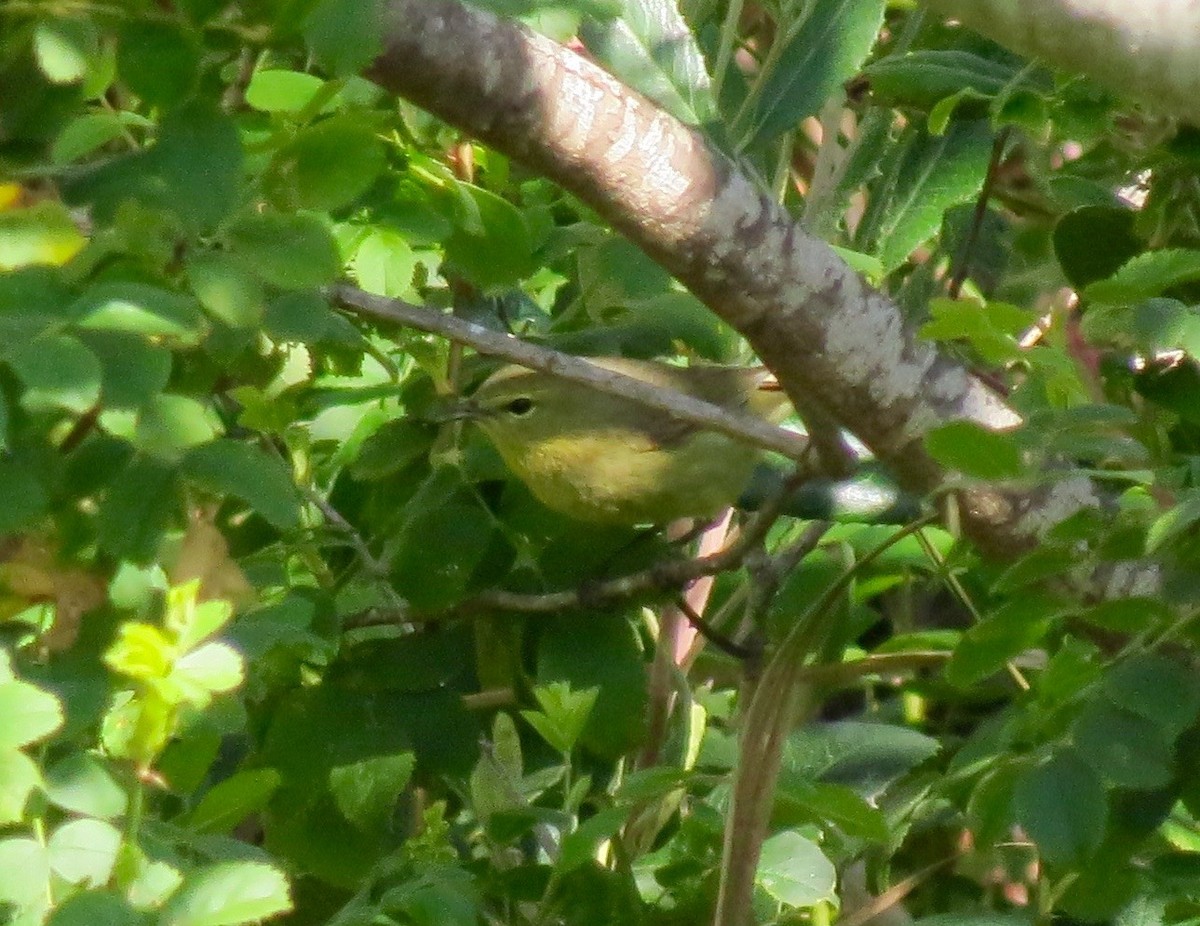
x,y
204,555
33,574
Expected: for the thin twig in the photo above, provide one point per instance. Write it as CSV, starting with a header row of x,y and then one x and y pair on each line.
x,y
745,427
962,263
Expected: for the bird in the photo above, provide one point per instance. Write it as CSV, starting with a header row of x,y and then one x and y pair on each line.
x,y
599,457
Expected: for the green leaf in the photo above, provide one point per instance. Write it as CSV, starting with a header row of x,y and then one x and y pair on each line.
x,y
1128,615
651,49
58,371
993,330
1001,636
157,60
29,892
65,48
580,846
301,316
82,783
1092,242
975,450
326,166
1122,747
498,252
84,852
228,894
139,308
923,77
1061,805
133,370
23,498
289,251
925,176
366,791
84,134
27,714
212,668
563,715
244,471
1174,522
816,802
1160,689
137,509
93,908
795,871
41,234
866,757
279,91
19,776
818,55
596,650
384,263
345,35
438,550
198,163
32,301
228,291
393,447
229,802
168,425
1146,274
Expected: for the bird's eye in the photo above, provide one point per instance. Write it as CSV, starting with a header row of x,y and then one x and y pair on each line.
x,y
520,406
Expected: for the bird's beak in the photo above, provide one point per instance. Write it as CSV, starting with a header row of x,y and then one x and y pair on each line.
x,y
458,410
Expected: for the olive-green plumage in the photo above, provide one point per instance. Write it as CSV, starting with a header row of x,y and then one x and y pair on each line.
x,y
600,457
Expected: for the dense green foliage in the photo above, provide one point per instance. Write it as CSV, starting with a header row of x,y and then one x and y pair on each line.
x,y
245,664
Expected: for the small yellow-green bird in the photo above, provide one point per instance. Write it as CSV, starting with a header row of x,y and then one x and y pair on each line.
x,y
595,456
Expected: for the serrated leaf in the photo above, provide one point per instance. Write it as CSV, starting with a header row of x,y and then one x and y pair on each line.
x,y
650,48
1122,747
925,176
999,637
228,894
228,466
289,251
1150,273
366,791
923,77
820,53
1153,686
326,166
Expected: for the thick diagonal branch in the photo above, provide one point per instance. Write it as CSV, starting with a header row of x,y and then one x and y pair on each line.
x,y
828,336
